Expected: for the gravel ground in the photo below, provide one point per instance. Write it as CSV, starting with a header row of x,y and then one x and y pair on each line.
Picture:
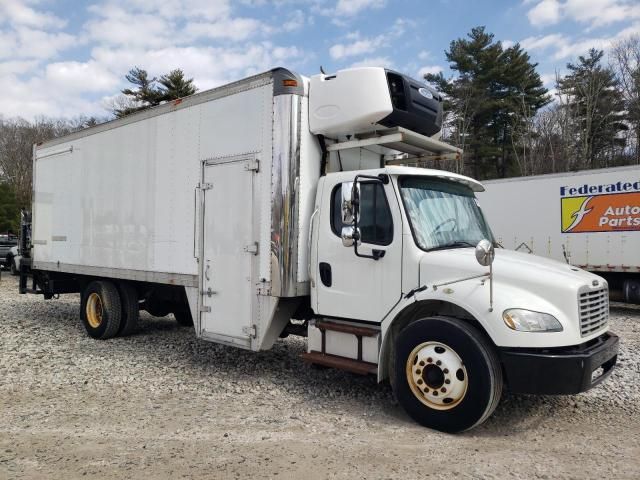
x,y
161,404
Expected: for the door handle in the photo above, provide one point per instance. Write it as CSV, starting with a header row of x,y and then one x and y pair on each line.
x,y
206,271
325,274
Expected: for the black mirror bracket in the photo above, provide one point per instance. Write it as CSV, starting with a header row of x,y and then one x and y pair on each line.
x,y
377,254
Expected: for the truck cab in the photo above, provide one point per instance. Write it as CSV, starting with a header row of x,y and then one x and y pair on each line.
x,y
407,252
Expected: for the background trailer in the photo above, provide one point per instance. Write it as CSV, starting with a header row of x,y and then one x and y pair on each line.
x,y
590,219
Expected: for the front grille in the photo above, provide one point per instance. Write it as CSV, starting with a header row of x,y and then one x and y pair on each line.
x,y
593,308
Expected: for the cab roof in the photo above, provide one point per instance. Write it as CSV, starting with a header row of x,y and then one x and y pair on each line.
x,y
474,185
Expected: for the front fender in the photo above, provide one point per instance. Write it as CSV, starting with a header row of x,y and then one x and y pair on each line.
x,y
471,299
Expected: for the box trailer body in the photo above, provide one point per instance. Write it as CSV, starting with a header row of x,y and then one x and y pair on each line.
x,y
589,219
280,205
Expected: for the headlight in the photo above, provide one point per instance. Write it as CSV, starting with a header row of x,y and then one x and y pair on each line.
x,y
529,321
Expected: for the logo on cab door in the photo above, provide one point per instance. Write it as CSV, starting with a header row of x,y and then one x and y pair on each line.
x,y
601,213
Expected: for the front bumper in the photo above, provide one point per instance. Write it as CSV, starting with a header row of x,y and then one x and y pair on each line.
x,y
565,370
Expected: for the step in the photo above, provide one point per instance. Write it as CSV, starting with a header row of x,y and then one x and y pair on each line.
x,y
341,363
344,328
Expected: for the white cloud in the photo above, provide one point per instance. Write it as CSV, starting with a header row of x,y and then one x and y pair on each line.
x,y
548,79
547,12
429,69
350,8
80,77
359,47
25,42
367,45
543,42
232,29
373,62
17,12
203,37
594,13
295,21
564,47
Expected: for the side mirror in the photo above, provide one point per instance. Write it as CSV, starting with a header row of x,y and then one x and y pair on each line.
x,y
349,236
348,203
485,252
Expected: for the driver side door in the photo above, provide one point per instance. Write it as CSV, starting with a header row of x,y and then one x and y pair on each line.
x,y
352,287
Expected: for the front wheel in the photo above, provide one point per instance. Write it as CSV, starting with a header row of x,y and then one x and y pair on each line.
x,y
446,374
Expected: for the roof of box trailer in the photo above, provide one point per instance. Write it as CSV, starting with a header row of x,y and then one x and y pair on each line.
x,y
475,185
237,86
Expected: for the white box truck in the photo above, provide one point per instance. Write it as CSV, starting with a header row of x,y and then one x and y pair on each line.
x,y
269,206
589,219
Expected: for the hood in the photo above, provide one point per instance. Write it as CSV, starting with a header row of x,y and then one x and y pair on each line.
x,y
520,280
523,269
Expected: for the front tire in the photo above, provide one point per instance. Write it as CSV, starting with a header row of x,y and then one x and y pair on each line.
x,y
101,310
447,376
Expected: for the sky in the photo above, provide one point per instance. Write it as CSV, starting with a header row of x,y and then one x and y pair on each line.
x,y
66,58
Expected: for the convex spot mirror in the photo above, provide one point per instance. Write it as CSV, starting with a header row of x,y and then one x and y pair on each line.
x,y
349,203
485,252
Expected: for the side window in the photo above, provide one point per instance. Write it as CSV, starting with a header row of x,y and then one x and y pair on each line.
x,y
375,223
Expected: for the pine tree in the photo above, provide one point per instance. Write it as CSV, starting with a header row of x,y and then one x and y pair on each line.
x,y
174,86
147,94
592,95
495,90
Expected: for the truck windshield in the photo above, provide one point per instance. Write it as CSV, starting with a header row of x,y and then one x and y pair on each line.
x,y
443,214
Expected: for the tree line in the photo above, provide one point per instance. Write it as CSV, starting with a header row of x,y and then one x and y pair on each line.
x,y
496,109
508,124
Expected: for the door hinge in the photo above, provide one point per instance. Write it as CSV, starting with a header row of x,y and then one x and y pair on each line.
x,y
208,292
205,309
250,331
205,186
252,248
252,165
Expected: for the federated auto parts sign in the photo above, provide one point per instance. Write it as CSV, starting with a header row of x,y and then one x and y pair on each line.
x,y
600,208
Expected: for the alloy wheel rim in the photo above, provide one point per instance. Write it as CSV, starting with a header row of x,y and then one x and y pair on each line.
x,y
94,310
436,375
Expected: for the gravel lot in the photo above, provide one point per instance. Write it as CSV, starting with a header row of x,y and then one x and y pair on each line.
x,y
162,404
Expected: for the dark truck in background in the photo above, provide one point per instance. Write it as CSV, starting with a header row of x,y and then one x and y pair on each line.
x,y
7,241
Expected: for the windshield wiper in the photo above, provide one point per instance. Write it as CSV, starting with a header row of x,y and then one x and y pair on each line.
x,y
456,244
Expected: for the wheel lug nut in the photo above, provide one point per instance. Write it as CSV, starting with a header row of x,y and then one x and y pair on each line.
x,y
419,382
429,360
447,381
418,371
435,393
443,390
446,370
438,362
421,363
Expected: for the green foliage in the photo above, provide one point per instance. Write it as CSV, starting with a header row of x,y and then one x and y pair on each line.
x,y
597,108
149,92
9,210
495,90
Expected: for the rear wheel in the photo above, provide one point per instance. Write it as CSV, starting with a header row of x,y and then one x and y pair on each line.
x,y
446,374
130,308
100,309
